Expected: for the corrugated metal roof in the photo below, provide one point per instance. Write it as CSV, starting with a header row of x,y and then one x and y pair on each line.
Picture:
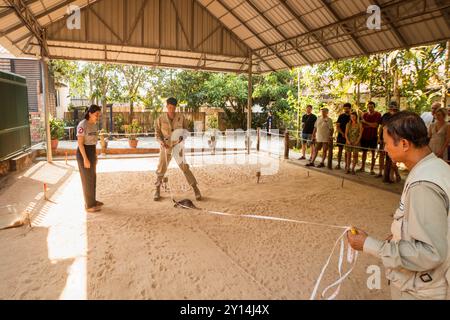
x,y
219,34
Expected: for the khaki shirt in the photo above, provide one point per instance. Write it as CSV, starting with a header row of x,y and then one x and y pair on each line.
x,y
169,131
89,131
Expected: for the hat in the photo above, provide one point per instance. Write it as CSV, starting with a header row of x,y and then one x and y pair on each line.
x,y
393,105
325,109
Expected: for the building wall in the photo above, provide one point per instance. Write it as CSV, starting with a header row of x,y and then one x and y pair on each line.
x,y
5,65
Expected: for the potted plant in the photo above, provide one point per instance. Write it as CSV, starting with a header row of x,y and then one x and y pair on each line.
x,y
131,132
56,132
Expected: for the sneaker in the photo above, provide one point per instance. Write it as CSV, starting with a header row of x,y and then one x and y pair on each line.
x,y
302,158
310,164
372,173
321,165
361,170
99,204
378,176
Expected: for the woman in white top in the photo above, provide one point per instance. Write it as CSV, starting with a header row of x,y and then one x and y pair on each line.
x,y
439,134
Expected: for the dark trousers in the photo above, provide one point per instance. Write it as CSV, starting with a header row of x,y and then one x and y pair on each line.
x,y
88,176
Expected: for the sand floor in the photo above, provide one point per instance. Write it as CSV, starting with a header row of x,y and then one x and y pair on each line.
x,y
138,249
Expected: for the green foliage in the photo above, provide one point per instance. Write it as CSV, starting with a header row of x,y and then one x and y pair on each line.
x,y
56,129
213,122
229,92
415,74
189,88
119,123
132,130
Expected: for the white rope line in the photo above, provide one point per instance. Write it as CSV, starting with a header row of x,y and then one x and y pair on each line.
x,y
352,255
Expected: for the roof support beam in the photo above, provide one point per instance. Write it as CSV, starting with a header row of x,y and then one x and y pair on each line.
x,y
226,6
106,25
11,10
401,11
335,15
42,14
239,41
138,18
303,23
27,18
392,26
250,2
181,25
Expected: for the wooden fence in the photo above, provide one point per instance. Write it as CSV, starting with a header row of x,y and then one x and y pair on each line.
x,y
145,120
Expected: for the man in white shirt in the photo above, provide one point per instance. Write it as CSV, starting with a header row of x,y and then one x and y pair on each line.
x,y
428,117
323,136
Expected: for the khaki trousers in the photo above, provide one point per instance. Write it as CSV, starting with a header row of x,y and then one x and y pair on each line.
x,y
165,155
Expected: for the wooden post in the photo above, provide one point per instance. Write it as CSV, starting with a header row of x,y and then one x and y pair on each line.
x,y
249,101
330,155
446,76
46,106
258,138
286,144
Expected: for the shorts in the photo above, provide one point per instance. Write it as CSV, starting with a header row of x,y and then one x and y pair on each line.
x,y
319,145
369,144
341,141
307,138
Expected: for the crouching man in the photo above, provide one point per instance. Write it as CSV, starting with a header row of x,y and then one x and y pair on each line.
x,y
416,255
170,128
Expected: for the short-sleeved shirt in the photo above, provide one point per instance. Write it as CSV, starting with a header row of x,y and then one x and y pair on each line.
x,y
342,120
324,127
309,121
269,122
383,121
89,131
369,133
169,130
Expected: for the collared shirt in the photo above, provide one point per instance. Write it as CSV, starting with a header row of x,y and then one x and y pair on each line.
x,y
420,231
165,127
89,131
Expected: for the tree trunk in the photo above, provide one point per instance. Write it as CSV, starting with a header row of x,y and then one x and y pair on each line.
x,y
358,95
446,76
396,91
104,115
131,111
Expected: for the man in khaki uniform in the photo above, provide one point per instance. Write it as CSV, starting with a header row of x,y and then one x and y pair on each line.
x,y
170,133
416,255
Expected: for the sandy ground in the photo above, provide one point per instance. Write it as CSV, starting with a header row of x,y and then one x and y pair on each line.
x,y
138,249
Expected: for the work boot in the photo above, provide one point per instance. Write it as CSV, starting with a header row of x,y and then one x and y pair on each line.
x,y
157,194
198,195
